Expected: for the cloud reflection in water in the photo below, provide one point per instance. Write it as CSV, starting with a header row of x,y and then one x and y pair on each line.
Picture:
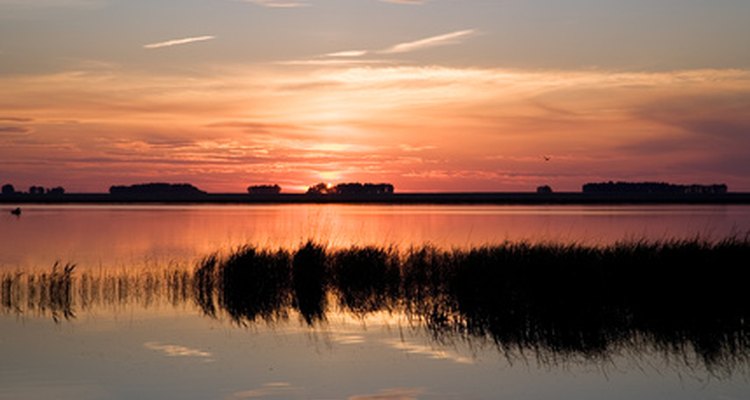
x,y
174,350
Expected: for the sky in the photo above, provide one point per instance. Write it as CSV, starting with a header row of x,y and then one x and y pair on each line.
x,y
432,95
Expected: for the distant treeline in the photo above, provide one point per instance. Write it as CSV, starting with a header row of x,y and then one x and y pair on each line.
x,y
170,189
356,191
352,189
9,189
264,189
327,189
653,187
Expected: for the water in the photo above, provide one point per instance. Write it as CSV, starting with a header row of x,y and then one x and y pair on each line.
x,y
123,236
140,332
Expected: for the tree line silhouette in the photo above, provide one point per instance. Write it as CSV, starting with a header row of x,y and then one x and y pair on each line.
x,y
351,189
357,189
653,187
164,189
10,190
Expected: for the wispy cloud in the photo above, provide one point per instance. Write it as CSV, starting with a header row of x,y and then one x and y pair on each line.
x,y
15,119
50,3
433,41
348,53
407,148
392,394
271,390
279,3
410,2
406,47
177,42
334,62
13,129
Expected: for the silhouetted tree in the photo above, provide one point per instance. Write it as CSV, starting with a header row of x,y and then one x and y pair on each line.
x,y
180,189
352,189
369,189
8,189
264,189
36,190
56,191
546,189
319,189
653,187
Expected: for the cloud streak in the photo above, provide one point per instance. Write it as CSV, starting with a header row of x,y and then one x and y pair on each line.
x,y
177,42
279,3
433,41
271,390
392,394
409,2
456,37
348,53
50,3
14,119
13,129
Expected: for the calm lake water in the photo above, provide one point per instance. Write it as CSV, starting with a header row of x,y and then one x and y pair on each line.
x,y
125,236
131,327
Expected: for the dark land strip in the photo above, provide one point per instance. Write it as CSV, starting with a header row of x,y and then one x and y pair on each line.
x,y
497,198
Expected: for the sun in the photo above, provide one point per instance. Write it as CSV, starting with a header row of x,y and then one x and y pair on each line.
x,y
329,176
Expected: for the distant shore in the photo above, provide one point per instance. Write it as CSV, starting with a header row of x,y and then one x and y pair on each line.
x,y
496,198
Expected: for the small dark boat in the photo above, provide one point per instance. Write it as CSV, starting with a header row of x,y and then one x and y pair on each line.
x,y
16,211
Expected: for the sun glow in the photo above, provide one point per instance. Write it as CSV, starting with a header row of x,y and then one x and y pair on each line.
x,y
329,177
422,129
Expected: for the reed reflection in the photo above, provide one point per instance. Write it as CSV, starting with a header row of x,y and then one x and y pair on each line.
x,y
249,285
685,299
62,293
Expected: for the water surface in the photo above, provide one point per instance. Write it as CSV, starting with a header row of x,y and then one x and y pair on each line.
x,y
123,236
132,323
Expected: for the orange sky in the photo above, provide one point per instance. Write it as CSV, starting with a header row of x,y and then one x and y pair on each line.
x,y
422,128
433,111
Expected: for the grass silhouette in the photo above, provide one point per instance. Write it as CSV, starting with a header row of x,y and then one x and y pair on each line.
x,y
558,300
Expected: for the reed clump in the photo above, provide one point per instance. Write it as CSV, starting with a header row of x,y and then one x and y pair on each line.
x,y
255,284
365,279
62,293
561,300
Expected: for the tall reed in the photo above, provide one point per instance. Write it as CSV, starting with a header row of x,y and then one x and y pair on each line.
x,y
561,300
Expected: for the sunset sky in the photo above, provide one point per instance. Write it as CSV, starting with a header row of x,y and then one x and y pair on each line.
x,y
432,95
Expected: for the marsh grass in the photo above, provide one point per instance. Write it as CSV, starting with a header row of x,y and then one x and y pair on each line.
x,y
46,293
242,286
557,300
62,293
366,279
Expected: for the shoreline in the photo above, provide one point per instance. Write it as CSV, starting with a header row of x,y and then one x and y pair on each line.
x,y
496,198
